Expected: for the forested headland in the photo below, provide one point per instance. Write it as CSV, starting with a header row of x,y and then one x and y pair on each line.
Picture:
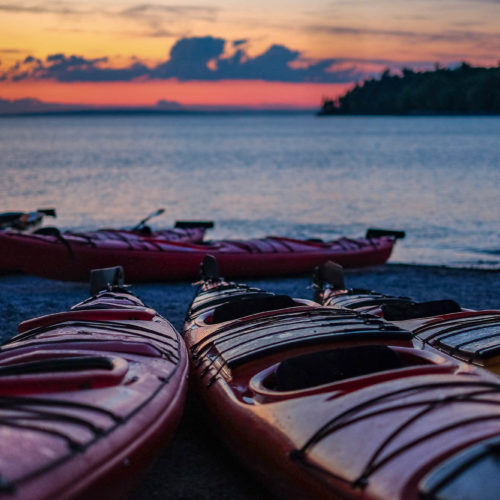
x,y
464,90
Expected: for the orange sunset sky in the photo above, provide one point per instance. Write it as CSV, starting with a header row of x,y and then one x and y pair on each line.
x,y
218,53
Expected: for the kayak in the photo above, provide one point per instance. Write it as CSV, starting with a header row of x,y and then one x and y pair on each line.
x,y
89,397
21,222
328,403
183,231
471,336
72,256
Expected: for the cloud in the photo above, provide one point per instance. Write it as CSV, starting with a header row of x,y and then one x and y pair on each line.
x,y
205,59
154,10
72,68
452,36
11,51
158,18
61,8
139,11
189,59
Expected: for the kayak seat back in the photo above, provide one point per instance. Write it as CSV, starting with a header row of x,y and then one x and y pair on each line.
x,y
357,298
201,307
247,306
400,311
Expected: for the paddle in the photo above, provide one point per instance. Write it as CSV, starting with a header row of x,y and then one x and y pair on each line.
x,y
142,223
49,212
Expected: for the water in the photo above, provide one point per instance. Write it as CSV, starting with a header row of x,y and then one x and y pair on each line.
x,y
295,175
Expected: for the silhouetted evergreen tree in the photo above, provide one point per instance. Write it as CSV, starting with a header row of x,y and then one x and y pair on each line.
x,y
464,90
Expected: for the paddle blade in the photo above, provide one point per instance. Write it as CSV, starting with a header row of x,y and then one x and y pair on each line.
x,y
49,212
146,219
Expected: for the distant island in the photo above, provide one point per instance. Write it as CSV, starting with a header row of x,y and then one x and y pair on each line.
x,y
35,107
466,90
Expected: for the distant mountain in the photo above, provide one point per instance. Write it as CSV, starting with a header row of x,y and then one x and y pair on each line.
x,y
30,106
464,90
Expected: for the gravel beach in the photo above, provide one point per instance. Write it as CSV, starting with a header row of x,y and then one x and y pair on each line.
x,y
196,465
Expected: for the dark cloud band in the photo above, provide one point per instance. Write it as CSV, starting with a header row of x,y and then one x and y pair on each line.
x,y
197,59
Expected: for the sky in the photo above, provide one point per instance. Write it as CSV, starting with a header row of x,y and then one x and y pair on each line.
x,y
230,53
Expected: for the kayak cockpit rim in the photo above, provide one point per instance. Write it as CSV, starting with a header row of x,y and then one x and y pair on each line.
x,y
414,362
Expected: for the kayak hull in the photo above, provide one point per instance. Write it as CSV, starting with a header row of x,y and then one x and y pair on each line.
x,y
10,263
149,260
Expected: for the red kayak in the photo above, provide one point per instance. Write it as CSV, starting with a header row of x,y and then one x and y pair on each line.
x,y
471,336
325,403
184,231
72,256
89,397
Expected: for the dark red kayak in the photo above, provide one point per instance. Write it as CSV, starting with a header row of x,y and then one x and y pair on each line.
x,y
327,403
184,231
88,399
472,336
72,256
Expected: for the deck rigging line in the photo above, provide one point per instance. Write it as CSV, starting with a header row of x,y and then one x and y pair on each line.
x,y
372,465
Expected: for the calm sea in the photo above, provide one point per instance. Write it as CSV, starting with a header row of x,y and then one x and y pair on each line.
x,y
297,175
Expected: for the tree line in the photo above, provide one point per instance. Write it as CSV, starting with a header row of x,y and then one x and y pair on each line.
x,y
464,90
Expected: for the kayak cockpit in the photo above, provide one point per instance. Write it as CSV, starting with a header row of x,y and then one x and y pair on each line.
x,y
237,350
342,370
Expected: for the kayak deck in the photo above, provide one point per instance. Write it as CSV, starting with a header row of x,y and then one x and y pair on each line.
x,y
332,403
471,336
86,401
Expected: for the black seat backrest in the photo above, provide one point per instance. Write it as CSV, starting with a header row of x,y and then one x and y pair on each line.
x,y
245,306
413,310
